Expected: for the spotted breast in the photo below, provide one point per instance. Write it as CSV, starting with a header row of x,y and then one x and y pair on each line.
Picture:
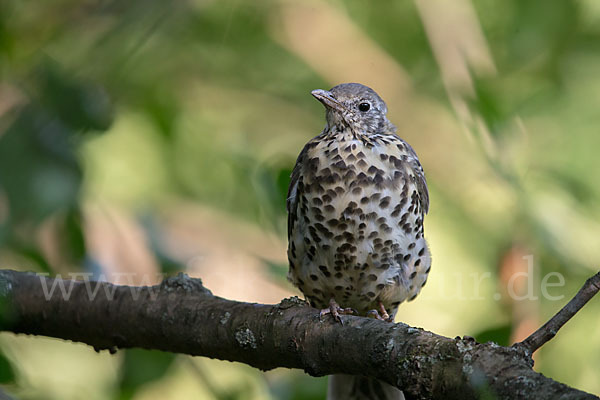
x,y
356,204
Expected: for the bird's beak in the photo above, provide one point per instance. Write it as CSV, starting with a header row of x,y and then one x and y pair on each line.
x,y
327,99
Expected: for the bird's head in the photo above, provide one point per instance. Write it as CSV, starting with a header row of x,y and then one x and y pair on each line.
x,y
355,106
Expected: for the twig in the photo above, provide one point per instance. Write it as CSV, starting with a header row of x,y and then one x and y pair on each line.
x,y
544,334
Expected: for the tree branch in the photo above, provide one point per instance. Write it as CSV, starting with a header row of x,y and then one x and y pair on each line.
x,y
538,338
182,316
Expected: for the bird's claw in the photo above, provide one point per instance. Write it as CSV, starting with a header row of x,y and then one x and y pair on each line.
x,y
383,316
336,311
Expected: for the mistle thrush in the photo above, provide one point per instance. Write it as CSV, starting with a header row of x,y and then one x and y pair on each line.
x,y
356,203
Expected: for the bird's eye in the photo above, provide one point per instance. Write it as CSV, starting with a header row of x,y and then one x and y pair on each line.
x,y
364,107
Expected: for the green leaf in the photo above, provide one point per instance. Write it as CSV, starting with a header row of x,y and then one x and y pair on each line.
x,y
7,374
141,367
500,335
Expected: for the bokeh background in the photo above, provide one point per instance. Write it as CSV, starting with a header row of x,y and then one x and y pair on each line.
x,y
140,138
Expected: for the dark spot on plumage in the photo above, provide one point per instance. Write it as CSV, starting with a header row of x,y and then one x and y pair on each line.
x,y
371,294
422,251
326,246
372,169
338,275
380,286
406,257
372,277
314,277
329,208
340,164
372,215
385,202
357,190
407,228
412,276
418,262
377,246
364,200
383,156
316,210
343,226
332,222
313,164
306,240
326,198
340,190
336,158
361,163
381,220
372,235
348,148
350,174
411,246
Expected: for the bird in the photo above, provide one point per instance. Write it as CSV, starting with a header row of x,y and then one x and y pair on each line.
x,y
356,203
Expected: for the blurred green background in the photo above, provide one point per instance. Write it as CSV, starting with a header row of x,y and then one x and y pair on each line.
x,y
139,138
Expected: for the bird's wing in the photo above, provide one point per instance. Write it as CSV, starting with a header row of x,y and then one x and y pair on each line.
x,y
421,182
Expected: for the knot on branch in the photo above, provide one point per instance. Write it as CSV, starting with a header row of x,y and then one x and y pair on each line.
x,y
183,282
294,301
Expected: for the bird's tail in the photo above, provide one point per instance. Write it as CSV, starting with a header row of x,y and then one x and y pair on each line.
x,y
349,387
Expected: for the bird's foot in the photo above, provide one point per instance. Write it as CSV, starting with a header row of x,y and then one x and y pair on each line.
x,y
335,310
381,315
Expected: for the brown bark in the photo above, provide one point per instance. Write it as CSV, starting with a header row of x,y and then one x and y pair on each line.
x,y
182,316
